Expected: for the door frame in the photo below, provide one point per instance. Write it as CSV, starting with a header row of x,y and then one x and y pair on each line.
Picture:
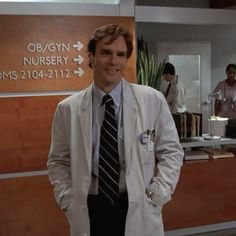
x,y
193,48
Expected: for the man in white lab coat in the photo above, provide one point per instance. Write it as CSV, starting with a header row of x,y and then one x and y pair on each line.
x,y
173,89
150,155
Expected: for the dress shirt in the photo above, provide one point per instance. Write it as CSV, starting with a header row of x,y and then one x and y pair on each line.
x,y
98,116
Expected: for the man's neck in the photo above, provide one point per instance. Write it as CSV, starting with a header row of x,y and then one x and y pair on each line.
x,y
107,87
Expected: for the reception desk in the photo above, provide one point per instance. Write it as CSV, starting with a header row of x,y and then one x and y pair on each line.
x,y
205,195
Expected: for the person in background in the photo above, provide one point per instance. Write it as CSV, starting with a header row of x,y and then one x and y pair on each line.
x,y
225,102
172,89
124,197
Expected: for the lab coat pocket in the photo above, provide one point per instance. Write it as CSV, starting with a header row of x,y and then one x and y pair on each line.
x,y
147,139
73,220
154,209
154,219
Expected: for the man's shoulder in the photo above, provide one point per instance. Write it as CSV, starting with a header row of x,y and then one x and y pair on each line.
x,y
144,90
74,99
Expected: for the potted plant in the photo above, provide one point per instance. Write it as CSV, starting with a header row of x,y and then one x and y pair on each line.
x,y
148,72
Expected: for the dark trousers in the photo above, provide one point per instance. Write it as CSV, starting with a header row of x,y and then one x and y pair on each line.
x,y
107,220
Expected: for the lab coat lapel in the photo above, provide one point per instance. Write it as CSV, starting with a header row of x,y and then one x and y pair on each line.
x,y
130,110
85,119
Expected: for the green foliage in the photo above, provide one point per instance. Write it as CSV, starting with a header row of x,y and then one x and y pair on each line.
x,y
148,72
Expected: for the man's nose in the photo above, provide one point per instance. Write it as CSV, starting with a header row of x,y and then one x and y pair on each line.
x,y
113,58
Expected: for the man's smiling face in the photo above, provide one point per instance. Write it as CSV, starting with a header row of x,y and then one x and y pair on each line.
x,y
109,62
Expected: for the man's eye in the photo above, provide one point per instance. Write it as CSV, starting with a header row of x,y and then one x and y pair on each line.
x,y
106,52
121,54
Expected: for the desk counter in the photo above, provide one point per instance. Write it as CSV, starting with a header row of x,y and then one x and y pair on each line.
x,y
205,194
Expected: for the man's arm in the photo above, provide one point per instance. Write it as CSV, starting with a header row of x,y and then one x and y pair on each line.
x,y
169,154
59,160
180,98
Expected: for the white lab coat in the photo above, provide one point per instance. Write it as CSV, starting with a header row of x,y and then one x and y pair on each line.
x,y
176,96
70,158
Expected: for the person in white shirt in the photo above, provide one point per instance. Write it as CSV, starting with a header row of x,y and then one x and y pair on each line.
x,y
172,88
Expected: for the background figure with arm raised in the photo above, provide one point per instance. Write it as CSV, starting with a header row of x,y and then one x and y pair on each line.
x,y
225,104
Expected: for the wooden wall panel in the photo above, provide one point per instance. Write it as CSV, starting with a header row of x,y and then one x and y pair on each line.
x,y
37,52
25,132
28,208
205,195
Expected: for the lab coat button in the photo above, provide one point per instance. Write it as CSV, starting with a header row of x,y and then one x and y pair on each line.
x,y
83,206
84,234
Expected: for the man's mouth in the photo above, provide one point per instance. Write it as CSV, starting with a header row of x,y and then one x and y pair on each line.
x,y
112,70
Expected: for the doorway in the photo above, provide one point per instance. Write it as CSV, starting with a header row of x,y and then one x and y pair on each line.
x,y
193,64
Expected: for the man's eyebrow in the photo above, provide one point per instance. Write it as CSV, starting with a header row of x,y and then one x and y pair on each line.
x,y
110,51
105,50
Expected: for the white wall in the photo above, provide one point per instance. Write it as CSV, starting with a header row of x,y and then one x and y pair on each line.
x,y
221,37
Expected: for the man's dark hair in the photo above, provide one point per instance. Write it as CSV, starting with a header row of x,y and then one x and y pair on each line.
x,y
169,69
114,31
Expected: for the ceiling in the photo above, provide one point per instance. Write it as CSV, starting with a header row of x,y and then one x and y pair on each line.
x,y
218,4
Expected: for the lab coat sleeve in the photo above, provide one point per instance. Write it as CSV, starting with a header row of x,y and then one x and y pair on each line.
x,y
59,160
169,155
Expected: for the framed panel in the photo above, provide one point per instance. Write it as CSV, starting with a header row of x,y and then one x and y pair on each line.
x,y
25,132
205,195
28,207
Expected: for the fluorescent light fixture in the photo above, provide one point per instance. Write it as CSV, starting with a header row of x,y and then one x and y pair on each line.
x,y
114,2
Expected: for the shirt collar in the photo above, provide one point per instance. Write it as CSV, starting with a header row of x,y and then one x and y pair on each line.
x,y
115,94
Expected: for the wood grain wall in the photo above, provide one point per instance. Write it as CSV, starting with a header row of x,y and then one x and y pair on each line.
x,y
28,208
205,195
25,132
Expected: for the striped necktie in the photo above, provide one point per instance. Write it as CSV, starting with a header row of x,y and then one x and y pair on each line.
x,y
109,167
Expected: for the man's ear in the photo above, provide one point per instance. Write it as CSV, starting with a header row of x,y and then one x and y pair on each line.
x,y
91,59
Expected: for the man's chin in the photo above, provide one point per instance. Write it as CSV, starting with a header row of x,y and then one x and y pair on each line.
x,y
113,79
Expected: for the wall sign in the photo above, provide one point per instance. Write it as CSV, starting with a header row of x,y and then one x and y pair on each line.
x,y
45,53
